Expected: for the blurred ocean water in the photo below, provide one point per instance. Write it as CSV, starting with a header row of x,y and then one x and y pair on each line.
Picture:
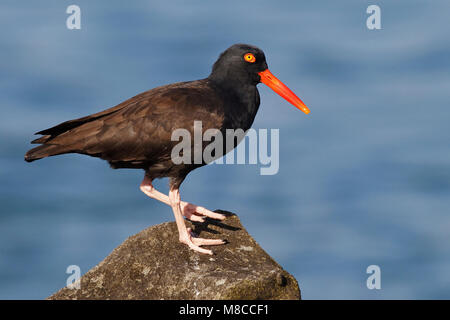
x,y
364,179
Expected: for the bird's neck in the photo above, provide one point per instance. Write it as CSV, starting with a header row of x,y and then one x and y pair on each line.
x,y
239,85
234,89
232,77
241,102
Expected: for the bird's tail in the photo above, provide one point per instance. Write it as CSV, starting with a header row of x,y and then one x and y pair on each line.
x,y
43,151
64,137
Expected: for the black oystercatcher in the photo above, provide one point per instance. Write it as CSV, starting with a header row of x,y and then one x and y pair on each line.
x,y
137,133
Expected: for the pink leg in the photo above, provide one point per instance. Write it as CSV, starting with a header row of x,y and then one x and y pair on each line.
x,y
190,211
185,234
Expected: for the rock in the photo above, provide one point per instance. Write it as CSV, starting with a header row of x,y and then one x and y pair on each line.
x,y
153,264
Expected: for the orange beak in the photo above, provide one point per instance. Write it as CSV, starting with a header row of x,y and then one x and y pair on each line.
x,y
276,85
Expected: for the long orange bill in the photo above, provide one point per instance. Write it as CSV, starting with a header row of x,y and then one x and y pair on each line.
x,y
276,85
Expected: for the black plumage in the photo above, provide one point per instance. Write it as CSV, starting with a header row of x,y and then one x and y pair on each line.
x,y
137,133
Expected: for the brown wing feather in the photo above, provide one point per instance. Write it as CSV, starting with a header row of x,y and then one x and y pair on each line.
x,y
70,124
138,130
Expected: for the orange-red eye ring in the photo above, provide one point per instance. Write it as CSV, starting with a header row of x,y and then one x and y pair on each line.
x,y
249,57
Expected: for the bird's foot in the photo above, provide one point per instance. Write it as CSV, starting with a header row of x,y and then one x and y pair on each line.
x,y
194,243
197,213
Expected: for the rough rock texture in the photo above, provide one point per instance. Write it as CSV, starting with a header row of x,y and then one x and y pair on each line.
x,y
154,265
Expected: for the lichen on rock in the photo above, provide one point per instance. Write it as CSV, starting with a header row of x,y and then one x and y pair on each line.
x,y
154,265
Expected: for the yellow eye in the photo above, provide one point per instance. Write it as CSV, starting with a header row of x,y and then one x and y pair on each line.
x,y
249,57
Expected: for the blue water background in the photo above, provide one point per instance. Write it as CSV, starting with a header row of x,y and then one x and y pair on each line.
x,y
364,179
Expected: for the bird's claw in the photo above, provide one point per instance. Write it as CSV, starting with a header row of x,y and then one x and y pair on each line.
x,y
197,213
194,243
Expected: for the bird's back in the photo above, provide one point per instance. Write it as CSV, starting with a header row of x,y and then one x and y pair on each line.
x,y
137,132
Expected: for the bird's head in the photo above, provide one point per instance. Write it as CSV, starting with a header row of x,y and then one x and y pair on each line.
x,y
242,65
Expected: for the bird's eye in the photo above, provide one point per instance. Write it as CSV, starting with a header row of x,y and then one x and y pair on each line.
x,y
249,57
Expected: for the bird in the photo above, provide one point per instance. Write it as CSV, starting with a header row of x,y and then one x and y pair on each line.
x,y
137,133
